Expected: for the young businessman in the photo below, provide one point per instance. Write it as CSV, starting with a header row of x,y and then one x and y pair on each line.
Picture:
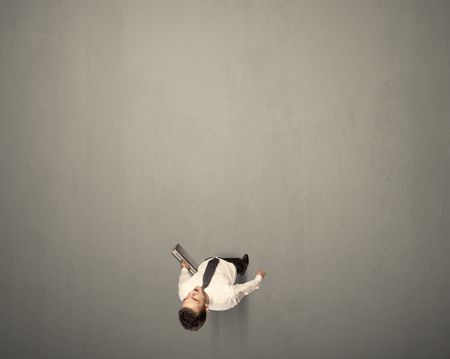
x,y
212,288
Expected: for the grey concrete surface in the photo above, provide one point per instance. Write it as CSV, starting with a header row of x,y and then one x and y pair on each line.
x,y
313,135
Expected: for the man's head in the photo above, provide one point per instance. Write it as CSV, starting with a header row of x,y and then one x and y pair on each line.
x,y
192,314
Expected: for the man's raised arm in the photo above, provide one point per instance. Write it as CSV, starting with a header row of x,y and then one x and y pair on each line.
x,y
241,290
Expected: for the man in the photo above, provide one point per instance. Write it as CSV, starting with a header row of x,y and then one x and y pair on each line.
x,y
212,288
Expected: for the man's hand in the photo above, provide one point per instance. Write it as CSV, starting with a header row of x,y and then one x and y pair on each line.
x,y
260,272
185,264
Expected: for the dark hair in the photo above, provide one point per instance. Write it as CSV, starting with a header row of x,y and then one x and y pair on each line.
x,y
191,320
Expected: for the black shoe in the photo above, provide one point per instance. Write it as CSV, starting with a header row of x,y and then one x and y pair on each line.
x,y
245,260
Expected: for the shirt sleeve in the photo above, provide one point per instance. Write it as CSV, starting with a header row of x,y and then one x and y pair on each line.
x,y
182,280
241,290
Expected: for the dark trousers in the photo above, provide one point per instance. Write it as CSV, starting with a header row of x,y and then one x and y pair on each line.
x,y
240,265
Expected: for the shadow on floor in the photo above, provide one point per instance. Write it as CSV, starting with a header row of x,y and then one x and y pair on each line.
x,y
232,323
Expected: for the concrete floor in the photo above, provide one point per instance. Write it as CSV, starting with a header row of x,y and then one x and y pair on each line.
x,y
313,135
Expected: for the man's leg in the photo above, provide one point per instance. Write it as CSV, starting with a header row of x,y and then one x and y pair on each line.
x,y
239,263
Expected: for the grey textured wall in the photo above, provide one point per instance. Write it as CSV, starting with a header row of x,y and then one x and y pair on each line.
x,y
314,135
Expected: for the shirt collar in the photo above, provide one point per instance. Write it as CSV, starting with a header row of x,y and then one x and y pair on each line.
x,y
210,296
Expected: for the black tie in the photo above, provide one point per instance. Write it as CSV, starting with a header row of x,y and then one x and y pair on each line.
x,y
209,271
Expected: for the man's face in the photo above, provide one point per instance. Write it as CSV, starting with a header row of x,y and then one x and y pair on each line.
x,y
196,300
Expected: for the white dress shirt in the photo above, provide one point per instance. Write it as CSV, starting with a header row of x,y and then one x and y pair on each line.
x,y
222,292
